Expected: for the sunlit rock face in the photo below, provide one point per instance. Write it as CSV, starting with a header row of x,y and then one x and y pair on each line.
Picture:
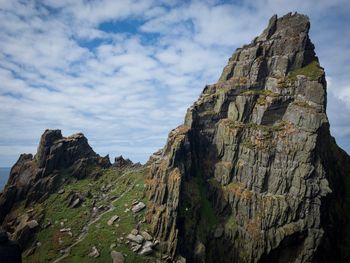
x,y
253,174
58,160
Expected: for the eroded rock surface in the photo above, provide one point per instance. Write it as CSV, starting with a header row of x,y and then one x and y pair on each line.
x,y
58,160
255,159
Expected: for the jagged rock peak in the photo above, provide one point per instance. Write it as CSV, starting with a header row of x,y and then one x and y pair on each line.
x,y
33,179
250,176
284,44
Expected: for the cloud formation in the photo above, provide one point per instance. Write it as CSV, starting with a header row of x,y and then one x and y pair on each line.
x,y
124,72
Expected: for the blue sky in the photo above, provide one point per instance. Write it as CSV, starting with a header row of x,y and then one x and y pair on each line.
x,y
124,72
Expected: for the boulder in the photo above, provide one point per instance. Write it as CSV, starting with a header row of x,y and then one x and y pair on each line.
x,y
146,235
138,207
94,253
135,238
145,251
117,257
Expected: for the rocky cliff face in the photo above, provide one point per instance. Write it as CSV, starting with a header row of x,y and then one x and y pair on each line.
x,y
253,174
58,160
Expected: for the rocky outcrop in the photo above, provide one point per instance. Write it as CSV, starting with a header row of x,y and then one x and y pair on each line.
x,y
121,163
58,160
253,174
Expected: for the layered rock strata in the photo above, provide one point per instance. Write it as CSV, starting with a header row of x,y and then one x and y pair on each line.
x,y
58,160
253,174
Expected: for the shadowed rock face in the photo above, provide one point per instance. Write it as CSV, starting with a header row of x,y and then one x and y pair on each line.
x,y
254,175
33,178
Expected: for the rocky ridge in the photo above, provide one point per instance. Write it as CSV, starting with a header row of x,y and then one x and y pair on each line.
x,y
59,160
253,174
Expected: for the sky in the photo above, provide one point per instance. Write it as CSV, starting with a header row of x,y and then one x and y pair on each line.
x,y
124,72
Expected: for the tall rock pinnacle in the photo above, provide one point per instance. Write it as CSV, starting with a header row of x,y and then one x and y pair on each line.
x,y
253,174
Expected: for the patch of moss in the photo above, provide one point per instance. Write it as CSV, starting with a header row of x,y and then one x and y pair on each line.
x,y
312,71
198,214
259,92
303,104
99,234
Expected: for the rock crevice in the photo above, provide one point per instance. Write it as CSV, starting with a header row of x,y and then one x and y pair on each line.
x,y
247,160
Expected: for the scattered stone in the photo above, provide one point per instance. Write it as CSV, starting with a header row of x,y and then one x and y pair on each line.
x,y
75,200
135,247
138,207
29,251
61,191
180,259
32,224
135,238
112,246
156,243
75,203
146,251
219,231
112,220
65,229
117,257
94,253
148,244
146,236
134,232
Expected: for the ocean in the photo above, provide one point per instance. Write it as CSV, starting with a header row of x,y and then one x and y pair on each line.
x,y
4,175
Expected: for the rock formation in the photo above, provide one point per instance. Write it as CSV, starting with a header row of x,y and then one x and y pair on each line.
x,y
58,160
253,174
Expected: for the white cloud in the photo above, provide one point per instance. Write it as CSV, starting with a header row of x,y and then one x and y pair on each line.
x,y
126,91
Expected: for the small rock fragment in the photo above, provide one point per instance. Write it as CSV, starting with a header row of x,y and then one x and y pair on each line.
x,y
94,253
146,236
136,247
145,251
138,207
117,257
134,232
135,238
32,224
218,232
112,220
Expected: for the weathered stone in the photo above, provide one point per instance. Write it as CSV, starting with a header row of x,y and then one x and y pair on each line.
x,y
112,220
94,253
138,207
146,251
134,232
136,247
32,179
219,231
135,238
256,152
32,224
117,257
146,235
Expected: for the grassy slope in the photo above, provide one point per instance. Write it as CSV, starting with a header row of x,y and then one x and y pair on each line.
x,y
99,233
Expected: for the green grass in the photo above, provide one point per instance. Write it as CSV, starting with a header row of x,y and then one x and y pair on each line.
x,y
99,234
197,209
260,92
312,71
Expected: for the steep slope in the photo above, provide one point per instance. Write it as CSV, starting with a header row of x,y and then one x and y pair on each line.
x,y
253,174
59,160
